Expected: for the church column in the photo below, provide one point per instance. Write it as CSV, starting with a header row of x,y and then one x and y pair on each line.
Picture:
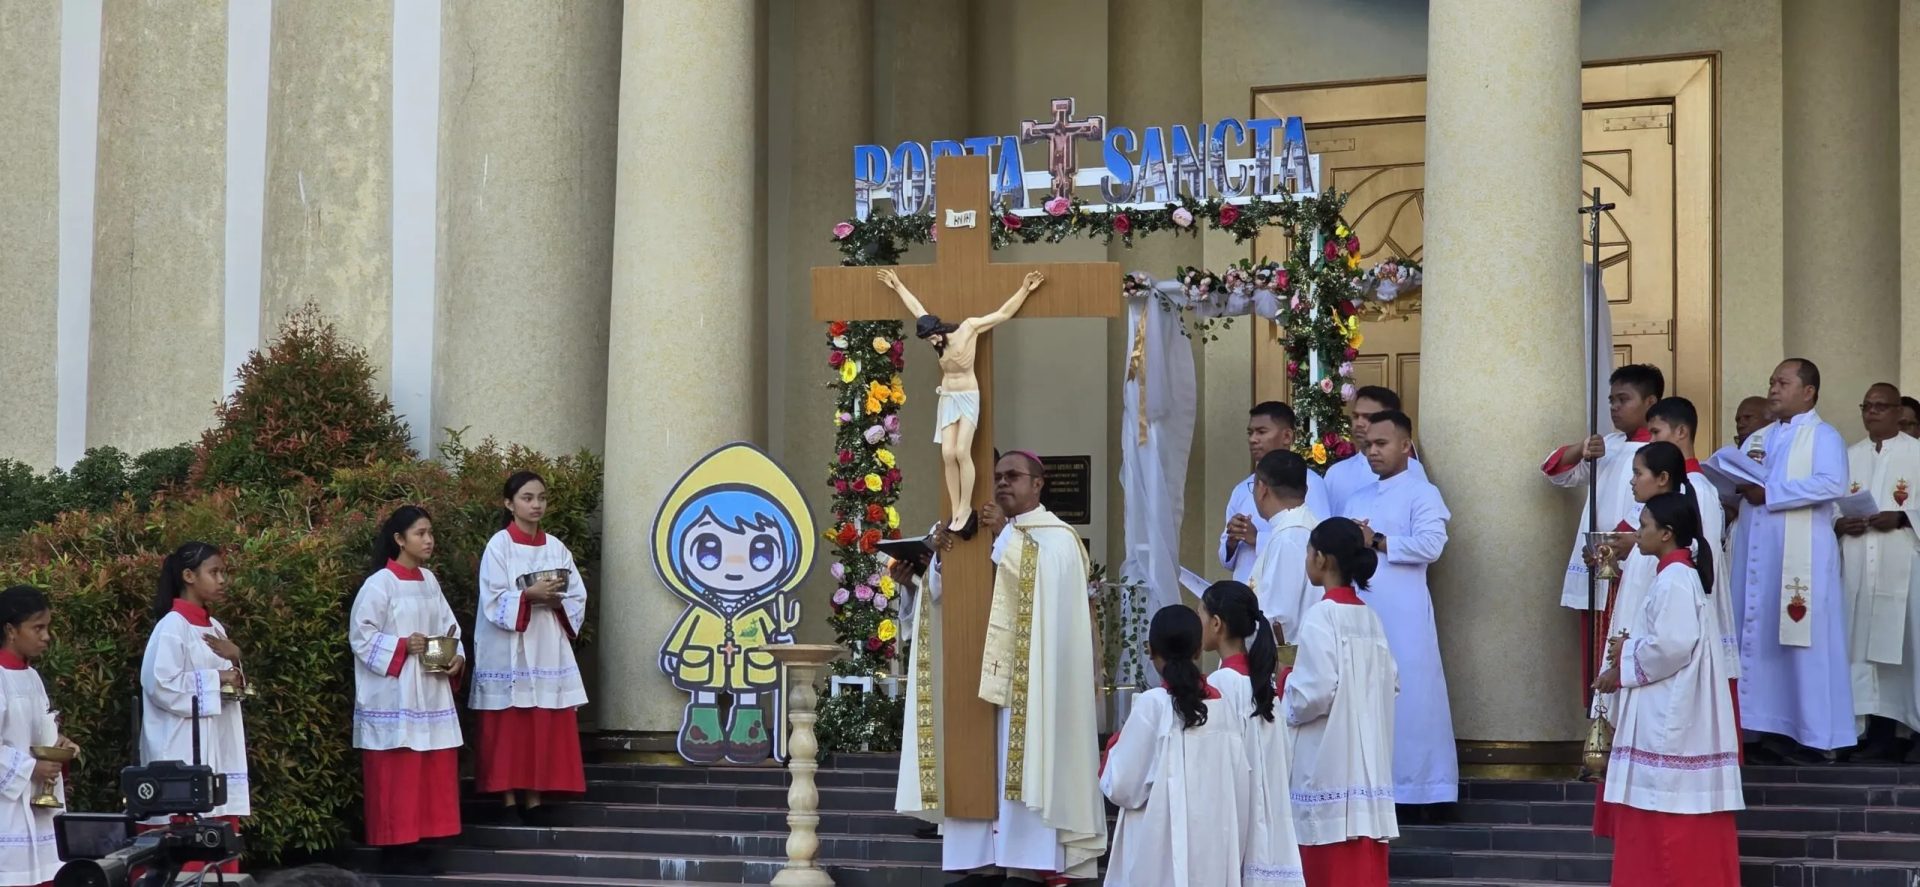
x,y
1909,89
159,225
529,100
30,50
1841,152
1497,387
683,370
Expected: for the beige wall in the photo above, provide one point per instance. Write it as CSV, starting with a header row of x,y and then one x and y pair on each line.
x,y
29,226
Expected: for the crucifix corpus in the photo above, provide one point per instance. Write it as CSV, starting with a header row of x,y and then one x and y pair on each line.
x,y
964,282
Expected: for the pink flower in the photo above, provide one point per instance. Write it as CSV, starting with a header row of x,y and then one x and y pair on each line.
x,y
1058,206
1280,279
933,232
1010,222
873,435
835,359
891,422
873,644
863,593
899,362
1299,304
845,417
1346,369
1353,244
841,230
840,486
1293,368
1326,385
1346,392
1122,224
1333,250
1182,217
838,570
898,347
1352,352
839,596
874,580
1229,214
846,457
880,602
893,476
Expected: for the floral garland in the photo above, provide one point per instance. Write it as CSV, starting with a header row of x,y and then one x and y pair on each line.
x,y
1392,288
867,358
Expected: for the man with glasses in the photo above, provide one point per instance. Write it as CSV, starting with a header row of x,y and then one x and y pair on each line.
x,y
1876,556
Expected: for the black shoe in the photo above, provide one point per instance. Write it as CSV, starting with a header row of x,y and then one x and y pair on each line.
x,y
1803,756
1761,754
979,879
927,832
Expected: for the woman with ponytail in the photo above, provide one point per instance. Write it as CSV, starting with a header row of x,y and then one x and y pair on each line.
x,y
29,855
192,669
1340,697
1236,629
1674,777
1173,770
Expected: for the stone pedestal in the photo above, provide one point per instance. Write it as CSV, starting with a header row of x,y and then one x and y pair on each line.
x,y
803,662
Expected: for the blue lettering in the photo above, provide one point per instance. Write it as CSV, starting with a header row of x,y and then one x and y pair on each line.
x,y
1010,184
1262,131
1153,185
1117,187
1226,132
871,168
912,184
1189,165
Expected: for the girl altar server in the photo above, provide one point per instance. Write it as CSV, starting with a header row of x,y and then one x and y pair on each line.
x,y
1178,772
27,851
1340,696
526,683
403,713
1674,776
189,658
1235,628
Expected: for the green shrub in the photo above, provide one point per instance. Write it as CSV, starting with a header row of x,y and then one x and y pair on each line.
x,y
102,477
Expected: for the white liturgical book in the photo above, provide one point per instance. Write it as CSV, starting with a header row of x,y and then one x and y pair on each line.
x,y
1859,504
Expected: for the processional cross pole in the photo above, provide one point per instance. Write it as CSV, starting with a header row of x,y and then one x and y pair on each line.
x,y
963,281
1592,211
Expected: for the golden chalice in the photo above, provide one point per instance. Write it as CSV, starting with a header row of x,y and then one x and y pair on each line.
x,y
58,754
441,651
1606,549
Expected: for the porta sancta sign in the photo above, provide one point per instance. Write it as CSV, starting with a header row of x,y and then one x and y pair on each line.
x,y
1232,159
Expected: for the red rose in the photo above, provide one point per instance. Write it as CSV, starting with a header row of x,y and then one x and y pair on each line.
x,y
1343,308
893,534
1280,279
1122,224
837,328
1293,368
846,457
1229,214
873,643
899,363
836,358
870,541
897,347
893,476
846,535
1353,244
1333,250
1352,352
840,486
1010,222
875,514
1343,449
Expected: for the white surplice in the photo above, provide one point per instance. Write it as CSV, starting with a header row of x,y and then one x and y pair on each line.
x,y
534,666
1613,491
1272,852
413,709
1240,558
177,669
1805,693
1340,700
917,792
1675,749
1426,765
1352,474
1058,824
1279,575
28,854
1183,795
1878,569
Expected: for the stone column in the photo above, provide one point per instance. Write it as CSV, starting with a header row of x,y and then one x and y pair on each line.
x,y
1841,153
1502,350
1909,89
683,372
530,94
328,223
159,224
30,227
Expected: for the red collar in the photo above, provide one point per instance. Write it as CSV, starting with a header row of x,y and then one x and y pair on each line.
x,y
11,661
196,615
539,536
1206,690
1693,466
1676,556
403,572
1237,662
1640,435
1341,594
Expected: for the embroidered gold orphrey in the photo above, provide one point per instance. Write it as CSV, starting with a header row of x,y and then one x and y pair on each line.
x,y
1022,646
923,708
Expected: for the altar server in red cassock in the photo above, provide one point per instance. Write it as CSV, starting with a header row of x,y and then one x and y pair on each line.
x,y
403,713
1674,775
526,682
1340,697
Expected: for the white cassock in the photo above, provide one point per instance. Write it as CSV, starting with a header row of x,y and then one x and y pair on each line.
x,y
1801,691
27,851
1039,651
1240,558
412,709
1735,535
178,669
1878,570
1613,491
1340,699
1183,797
523,657
1352,474
1279,575
1414,518
1271,851
917,791
1675,749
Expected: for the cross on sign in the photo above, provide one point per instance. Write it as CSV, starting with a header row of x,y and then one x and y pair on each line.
x,y
728,650
1060,136
963,281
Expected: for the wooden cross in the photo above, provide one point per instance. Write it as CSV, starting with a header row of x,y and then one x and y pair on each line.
x,y
964,282
1060,136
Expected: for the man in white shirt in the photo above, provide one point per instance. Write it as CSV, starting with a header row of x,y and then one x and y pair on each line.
x,y
1348,475
1876,563
1270,427
1279,577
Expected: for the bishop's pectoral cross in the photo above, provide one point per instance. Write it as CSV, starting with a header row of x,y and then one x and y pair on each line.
x,y
963,281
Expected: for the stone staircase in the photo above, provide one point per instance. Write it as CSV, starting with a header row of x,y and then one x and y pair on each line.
x,y
651,824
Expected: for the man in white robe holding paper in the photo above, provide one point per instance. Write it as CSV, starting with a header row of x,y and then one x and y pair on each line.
x,y
1271,426
1038,668
1794,679
1404,520
1878,544
1279,577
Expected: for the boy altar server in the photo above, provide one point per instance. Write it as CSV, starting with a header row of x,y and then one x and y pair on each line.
x,y
1876,557
1270,429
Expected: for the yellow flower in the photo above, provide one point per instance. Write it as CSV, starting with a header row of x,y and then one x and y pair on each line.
x,y
878,390
899,389
888,631
884,456
1339,230
881,345
1356,340
848,371
1319,453
1353,262
893,522
886,585
873,483
873,406
899,398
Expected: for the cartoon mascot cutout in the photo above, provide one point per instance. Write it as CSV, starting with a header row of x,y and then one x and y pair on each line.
x,y
734,538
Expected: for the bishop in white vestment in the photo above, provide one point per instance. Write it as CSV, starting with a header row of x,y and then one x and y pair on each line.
x,y
1877,556
1184,797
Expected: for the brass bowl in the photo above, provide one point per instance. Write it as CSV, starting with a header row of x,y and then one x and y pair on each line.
x,y
1287,654
58,754
441,651
526,581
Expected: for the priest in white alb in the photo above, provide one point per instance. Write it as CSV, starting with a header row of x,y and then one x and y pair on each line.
x,y
1876,555
1349,475
1038,668
1271,427
1279,577
1794,678
1404,520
